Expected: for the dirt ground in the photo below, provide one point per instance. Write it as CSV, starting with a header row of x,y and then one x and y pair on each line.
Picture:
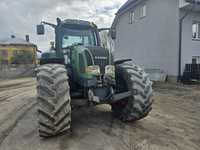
x,y
173,124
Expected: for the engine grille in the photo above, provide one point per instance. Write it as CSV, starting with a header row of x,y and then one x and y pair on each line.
x,y
101,63
100,57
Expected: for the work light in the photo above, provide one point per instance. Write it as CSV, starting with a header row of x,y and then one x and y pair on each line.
x,y
95,70
110,70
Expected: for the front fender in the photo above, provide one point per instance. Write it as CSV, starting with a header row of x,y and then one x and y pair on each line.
x,y
118,62
51,58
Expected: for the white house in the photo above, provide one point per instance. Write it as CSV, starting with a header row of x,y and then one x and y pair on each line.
x,y
148,31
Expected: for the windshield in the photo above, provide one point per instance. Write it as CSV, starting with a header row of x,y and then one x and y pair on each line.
x,y
83,37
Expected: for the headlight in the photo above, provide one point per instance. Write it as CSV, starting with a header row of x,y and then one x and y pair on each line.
x,y
110,70
93,70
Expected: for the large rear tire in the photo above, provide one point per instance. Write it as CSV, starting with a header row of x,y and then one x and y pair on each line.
x,y
54,109
132,78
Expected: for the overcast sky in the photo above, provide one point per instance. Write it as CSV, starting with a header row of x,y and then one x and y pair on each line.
x,y
19,17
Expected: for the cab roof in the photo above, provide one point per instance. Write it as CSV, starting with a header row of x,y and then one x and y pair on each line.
x,y
79,23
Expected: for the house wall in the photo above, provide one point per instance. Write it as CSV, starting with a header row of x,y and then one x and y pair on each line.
x,y
9,51
190,47
151,41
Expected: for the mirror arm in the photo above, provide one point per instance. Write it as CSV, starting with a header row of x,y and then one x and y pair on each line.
x,y
103,29
39,51
49,24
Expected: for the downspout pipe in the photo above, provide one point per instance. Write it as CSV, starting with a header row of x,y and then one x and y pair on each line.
x,y
180,43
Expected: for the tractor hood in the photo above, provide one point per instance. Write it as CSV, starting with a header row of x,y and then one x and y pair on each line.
x,y
101,56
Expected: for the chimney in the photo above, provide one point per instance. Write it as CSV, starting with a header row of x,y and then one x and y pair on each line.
x,y
27,38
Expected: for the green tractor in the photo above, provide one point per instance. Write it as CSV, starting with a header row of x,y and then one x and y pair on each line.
x,y
78,68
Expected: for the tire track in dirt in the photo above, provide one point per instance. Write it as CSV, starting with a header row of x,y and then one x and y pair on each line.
x,y
16,86
10,94
13,84
8,124
118,129
16,99
13,113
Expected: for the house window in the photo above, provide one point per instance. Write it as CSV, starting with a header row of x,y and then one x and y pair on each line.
x,y
196,30
131,17
143,11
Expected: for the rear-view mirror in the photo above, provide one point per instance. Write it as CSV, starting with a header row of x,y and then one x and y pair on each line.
x,y
40,29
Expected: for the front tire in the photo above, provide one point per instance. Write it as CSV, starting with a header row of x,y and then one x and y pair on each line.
x,y
54,109
132,78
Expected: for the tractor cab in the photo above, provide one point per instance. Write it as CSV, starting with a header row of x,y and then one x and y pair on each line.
x,y
77,32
